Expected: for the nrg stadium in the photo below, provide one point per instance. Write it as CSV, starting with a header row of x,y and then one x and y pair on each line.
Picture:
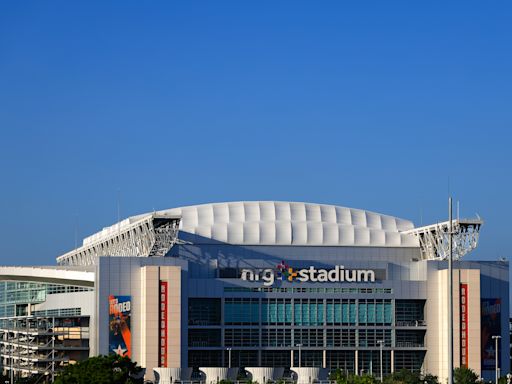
x,y
271,289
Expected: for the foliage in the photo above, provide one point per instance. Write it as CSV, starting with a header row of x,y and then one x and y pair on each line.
x,y
112,369
404,376
464,375
430,379
225,382
337,375
363,379
342,378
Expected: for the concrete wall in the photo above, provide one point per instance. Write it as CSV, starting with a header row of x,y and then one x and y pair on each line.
x,y
140,278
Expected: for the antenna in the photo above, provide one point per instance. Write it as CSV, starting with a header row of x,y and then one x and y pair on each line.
x,y
119,210
76,231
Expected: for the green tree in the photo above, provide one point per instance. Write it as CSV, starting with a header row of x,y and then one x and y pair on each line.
x,y
112,369
430,379
363,379
338,375
464,375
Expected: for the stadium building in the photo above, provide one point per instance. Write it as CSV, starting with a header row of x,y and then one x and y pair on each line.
x,y
277,288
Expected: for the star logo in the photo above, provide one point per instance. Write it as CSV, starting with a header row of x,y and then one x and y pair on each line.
x,y
119,350
291,274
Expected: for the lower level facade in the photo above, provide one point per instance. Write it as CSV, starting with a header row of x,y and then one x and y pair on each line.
x,y
215,318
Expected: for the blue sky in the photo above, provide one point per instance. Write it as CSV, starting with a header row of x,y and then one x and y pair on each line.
x,y
386,106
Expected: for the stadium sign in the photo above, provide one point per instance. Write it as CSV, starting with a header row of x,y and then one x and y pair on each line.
x,y
284,272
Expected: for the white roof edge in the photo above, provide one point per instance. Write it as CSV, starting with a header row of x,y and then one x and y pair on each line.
x,y
54,275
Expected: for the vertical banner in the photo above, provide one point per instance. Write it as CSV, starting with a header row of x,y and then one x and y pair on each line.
x,y
491,326
120,337
162,355
464,325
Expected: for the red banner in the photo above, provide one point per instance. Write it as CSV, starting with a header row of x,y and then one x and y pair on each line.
x,y
162,355
464,325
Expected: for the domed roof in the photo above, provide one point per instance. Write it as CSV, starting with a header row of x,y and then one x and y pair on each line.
x,y
291,223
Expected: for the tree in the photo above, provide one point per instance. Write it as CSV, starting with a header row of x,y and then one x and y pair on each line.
x,y
464,375
430,379
363,379
404,376
338,376
112,369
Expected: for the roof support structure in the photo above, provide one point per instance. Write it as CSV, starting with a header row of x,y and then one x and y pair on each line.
x,y
435,243
152,235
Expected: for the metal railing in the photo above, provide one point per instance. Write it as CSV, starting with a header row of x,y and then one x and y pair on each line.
x,y
411,323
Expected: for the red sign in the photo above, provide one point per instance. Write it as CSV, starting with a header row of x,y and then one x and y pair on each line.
x,y
162,354
464,325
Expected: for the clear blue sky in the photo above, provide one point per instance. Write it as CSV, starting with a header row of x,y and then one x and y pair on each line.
x,y
366,104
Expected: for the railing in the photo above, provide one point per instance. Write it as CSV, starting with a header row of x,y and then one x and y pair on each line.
x,y
412,323
409,344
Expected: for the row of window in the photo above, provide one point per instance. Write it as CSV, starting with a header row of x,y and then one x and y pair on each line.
x,y
25,292
310,290
58,312
303,312
307,337
308,312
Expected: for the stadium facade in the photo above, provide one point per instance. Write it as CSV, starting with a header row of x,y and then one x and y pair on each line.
x,y
260,284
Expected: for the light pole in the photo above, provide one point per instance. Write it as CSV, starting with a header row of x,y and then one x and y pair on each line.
x,y
229,357
497,357
450,296
300,357
381,342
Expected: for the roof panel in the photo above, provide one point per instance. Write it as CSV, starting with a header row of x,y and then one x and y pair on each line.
x,y
292,223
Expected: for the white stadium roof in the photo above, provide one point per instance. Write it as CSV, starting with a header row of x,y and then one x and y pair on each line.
x,y
290,223
269,223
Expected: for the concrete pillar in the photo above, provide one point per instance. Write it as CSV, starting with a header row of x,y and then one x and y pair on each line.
x,y
356,362
392,361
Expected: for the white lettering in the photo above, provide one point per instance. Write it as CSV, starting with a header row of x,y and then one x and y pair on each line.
x,y
337,274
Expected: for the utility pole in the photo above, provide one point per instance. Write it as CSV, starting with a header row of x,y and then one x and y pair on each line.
x,y
229,357
450,300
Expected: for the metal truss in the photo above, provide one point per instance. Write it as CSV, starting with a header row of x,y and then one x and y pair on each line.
x,y
434,239
151,235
